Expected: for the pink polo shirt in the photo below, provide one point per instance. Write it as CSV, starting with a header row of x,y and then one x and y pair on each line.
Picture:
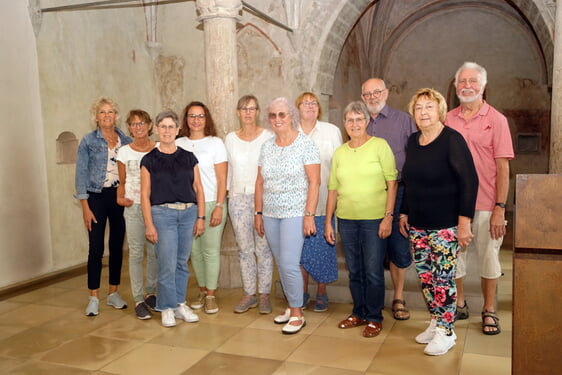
x,y
488,138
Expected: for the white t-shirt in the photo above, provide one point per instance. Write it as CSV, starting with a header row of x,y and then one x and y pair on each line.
x,y
327,138
131,159
243,162
209,151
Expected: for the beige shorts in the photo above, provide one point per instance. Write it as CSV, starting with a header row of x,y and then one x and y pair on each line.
x,y
486,248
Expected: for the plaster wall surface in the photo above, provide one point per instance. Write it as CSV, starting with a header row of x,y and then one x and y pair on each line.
x,y
24,215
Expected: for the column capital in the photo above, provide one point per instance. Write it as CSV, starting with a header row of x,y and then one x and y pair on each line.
x,y
218,9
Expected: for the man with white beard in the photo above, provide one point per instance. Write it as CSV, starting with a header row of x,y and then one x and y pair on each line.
x,y
395,127
487,133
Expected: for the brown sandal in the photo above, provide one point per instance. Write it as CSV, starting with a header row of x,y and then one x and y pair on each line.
x,y
492,315
400,313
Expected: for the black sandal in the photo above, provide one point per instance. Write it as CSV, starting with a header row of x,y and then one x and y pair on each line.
x,y
400,313
496,324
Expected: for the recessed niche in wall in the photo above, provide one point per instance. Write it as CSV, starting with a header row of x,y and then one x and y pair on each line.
x,y
67,146
528,143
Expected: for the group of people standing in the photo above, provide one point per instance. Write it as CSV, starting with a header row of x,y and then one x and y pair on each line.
x,y
425,188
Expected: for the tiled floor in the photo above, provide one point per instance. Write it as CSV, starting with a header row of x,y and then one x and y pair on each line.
x,y
44,331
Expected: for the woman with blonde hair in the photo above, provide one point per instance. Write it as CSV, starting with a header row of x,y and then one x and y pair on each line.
x,y
96,181
440,196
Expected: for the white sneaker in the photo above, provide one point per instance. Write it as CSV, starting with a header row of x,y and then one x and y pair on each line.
x,y
185,313
283,318
426,336
441,343
168,319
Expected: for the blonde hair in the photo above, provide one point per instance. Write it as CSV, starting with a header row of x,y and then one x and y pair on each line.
x,y
432,95
98,103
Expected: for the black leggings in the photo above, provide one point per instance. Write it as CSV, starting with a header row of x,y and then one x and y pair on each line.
x,y
104,207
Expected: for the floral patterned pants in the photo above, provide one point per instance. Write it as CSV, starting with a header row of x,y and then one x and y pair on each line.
x,y
435,256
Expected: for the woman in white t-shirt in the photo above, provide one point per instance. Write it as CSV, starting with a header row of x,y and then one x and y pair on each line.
x,y
128,195
199,136
243,148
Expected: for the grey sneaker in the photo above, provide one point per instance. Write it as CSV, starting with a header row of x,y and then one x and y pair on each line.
x,y
246,303
462,312
265,304
199,302
211,306
142,311
115,300
93,306
150,301
321,303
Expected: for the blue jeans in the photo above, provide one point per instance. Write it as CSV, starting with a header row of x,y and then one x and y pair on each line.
x,y
175,236
398,246
286,237
137,242
364,255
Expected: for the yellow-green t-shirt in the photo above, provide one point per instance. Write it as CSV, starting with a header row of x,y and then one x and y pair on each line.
x,y
359,176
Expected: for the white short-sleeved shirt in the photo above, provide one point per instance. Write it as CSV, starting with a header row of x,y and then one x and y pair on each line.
x,y
131,159
243,162
327,138
285,183
209,151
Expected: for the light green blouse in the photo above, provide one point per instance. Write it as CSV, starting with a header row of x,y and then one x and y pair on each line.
x,y
359,176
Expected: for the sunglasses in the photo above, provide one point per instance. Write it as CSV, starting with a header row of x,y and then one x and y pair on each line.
x,y
281,115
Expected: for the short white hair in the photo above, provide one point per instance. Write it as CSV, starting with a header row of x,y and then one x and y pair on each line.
x,y
472,65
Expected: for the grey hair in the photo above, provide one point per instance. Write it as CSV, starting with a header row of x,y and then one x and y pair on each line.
x,y
472,65
166,114
357,107
293,112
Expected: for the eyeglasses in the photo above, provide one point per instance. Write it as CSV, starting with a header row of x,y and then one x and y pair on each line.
x,y
137,124
281,115
310,104
193,115
167,127
248,109
358,120
373,94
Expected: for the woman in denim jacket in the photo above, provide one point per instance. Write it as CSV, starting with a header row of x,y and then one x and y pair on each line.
x,y
96,182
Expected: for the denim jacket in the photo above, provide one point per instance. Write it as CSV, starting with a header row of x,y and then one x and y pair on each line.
x,y
91,162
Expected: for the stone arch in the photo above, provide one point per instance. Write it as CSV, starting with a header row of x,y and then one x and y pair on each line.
x,y
539,16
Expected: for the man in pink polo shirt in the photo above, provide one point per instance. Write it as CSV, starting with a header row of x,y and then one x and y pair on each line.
x,y
487,133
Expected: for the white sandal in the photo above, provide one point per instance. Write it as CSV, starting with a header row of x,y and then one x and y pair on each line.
x,y
290,329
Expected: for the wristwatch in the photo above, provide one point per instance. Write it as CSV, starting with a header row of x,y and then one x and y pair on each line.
x,y
201,217
308,213
258,213
502,205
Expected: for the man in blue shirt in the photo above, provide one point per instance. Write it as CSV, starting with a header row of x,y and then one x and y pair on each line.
x,y
395,127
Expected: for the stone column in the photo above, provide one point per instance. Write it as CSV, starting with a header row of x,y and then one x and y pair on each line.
x,y
555,163
219,19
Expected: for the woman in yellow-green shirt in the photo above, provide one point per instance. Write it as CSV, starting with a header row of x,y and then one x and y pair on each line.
x,y
363,187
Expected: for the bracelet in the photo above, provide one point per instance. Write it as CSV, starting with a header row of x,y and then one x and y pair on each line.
x,y
201,217
221,205
402,216
308,213
389,214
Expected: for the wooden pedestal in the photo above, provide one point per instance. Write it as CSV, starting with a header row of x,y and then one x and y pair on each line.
x,y
537,275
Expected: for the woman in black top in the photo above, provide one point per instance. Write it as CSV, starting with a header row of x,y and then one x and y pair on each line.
x,y
440,195
173,206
